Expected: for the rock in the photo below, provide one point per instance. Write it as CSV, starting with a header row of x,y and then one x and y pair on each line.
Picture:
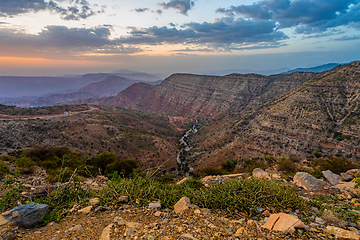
x,y
106,233
77,228
349,187
124,199
346,177
259,173
85,210
319,221
3,221
101,209
342,233
158,214
283,222
8,236
94,201
197,211
211,180
120,221
133,225
154,206
129,232
182,205
186,236
26,215
309,182
333,178
353,172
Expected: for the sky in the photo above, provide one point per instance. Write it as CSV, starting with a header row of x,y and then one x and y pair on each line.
x,y
56,37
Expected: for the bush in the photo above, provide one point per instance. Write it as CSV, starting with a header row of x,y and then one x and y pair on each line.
x,y
25,164
335,164
124,167
4,169
212,171
287,165
318,154
101,161
229,165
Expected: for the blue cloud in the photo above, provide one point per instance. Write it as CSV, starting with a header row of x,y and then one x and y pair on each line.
x,y
306,16
183,6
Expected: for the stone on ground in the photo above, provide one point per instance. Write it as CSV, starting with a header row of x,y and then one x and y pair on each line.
x,y
309,182
259,173
85,210
182,205
154,206
94,201
106,233
27,215
349,187
333,178
342,233
283,222
124,199
353,172
346,177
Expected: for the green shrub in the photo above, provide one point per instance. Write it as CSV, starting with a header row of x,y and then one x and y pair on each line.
x,y
229,165
287,165
212,171
335,164
318,154
124,167
25,164
101,161
4,169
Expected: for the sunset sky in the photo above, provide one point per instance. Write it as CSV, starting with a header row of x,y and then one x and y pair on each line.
x,y
41,37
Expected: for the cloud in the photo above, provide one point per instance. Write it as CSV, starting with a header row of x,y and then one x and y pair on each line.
x,y
68,9
306,16
61,40
223,35
140,10
14,7
348,38
183,6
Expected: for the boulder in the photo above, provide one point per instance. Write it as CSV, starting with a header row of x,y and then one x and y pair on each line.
x,y
182,205
332,177
94,201
283,222
346,177
349,187
353,172
154,206
342,233
259,173
27,215
309,182
106,233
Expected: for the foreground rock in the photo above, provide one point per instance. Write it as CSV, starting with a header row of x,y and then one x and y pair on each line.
x,y
332,177
309,182
342,233
349,187
26,215
283,222
183,205
259,173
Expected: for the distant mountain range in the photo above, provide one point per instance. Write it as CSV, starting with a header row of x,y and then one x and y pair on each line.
x,y
49,91
321,68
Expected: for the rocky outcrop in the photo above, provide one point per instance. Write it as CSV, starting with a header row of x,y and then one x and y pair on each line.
x,y
26,215
309,182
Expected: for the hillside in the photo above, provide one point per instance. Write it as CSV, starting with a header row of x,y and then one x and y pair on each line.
x,y
322,115
130,134
206,97
110,86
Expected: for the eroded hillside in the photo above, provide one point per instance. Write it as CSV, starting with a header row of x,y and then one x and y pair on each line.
x,y
150,138
322,115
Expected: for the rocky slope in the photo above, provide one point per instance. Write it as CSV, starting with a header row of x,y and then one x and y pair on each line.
x,y
206,97
130,134
322,115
